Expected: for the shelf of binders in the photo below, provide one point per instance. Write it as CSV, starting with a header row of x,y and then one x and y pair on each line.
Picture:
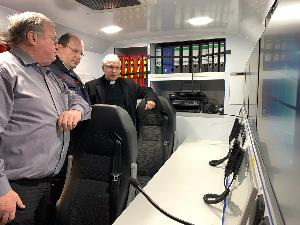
x,y
190,56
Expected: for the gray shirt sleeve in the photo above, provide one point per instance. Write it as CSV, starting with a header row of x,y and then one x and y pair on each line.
x,y
4,184
7,85
6,102
78,103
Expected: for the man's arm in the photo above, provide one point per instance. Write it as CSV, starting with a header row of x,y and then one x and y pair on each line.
x,y
8,204
76,102
147,93
6,102
78,110
68,120
150,104
9,199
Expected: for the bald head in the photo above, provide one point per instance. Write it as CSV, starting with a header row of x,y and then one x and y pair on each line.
x,y
70,50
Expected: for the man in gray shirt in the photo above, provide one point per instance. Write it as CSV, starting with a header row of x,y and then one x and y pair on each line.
x,y
37,112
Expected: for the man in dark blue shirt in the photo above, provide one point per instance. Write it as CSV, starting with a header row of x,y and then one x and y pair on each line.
x,y
70,50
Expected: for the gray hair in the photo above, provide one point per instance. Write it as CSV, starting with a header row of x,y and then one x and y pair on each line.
x,y
20,24
111,58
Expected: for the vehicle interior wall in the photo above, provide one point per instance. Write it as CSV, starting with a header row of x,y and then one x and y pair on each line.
x,y
272,98
240,22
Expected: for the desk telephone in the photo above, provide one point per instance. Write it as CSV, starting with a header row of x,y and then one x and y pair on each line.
x,y
235,160
235,157
237,129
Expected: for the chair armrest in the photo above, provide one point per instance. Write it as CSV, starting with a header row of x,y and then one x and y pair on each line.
x,y
132,191
67,180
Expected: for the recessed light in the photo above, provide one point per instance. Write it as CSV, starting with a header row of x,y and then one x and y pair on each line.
x,y
200,21
111,29
287,13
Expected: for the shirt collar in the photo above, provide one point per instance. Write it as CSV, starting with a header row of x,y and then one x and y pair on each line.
x,y
65,69
104,80
27,60
61,65
108,83
24,58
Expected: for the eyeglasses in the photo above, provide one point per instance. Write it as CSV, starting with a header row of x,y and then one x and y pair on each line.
x,y
76,51
113,67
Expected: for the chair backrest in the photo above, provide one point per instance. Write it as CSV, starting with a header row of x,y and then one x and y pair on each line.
x,y
156,134
170,123
105,147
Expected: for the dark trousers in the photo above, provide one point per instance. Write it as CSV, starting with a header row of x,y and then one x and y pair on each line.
x,y
35,195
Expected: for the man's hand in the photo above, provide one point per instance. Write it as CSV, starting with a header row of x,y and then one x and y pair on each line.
x,y
150,105
68,120
8,204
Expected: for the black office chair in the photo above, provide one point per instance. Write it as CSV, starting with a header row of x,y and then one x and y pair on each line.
x,y
170,124
156,135
105,151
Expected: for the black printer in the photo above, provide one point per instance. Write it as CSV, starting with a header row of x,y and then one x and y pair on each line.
x,y
188,101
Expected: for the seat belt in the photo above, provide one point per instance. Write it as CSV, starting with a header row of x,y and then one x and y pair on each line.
x,y
115,181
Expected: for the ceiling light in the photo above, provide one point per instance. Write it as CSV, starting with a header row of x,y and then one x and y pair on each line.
x,y
287,13
111,29
200,21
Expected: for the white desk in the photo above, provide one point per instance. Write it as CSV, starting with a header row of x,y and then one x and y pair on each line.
x,y
179,186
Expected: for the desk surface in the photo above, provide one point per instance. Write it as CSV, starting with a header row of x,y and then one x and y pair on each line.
x,y
179,186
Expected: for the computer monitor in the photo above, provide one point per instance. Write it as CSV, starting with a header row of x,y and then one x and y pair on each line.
x,y
243,193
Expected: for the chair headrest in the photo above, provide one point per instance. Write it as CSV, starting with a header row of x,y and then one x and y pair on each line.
x,y
111,117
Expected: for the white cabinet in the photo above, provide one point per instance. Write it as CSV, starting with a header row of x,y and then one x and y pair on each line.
x,y
211,83
186,76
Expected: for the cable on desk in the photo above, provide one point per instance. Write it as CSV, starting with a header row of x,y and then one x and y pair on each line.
x,y
225,203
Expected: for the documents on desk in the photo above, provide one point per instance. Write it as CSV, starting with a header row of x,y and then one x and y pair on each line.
x,y
179,186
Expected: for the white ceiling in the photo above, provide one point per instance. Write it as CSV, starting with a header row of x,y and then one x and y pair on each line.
x,y
155,18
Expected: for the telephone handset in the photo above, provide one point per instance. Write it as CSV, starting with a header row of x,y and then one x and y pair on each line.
x,y
235,131
235,158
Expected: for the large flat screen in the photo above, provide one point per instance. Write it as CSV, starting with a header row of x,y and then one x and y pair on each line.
x,y
278,124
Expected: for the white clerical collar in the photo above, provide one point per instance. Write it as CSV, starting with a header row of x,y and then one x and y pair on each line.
x,y
112,82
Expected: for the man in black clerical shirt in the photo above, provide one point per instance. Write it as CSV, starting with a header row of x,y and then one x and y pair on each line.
x,y
70,50
110,89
